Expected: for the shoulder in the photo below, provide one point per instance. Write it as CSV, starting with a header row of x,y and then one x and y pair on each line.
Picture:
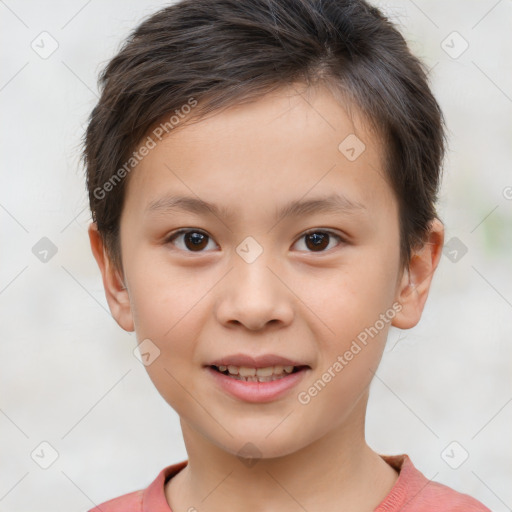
x,y
131,502
152,498
436,496
414,492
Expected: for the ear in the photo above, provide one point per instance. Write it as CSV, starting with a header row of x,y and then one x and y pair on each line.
x,y
415,282
115,291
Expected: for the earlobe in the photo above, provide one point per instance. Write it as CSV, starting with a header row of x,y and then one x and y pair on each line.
x,y
412,291
115,290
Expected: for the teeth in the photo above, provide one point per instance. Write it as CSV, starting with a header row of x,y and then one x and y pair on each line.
x,y
265,372
248,374
244,371
233,370
255,378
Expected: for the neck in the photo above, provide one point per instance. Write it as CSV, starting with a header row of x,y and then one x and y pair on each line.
x,y
336,472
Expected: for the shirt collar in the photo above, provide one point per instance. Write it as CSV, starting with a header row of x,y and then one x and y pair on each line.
x,y
153,499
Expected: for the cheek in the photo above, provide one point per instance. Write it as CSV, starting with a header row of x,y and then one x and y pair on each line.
x,y
348,299
349,357
168,308
164,297
170,320
358,306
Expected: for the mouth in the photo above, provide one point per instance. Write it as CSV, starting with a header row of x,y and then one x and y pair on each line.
x,y
252,374
257,379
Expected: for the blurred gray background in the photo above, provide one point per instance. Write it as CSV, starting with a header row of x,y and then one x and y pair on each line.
x,y
69,378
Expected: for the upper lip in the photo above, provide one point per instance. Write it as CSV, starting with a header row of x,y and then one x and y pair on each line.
x,y
262,361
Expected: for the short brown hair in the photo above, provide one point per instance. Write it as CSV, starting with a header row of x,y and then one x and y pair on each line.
x,y
223,52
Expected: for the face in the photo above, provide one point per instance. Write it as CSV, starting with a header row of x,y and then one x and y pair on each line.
x,y
288,280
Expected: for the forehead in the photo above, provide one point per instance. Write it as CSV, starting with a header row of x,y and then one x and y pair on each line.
x,y
292,143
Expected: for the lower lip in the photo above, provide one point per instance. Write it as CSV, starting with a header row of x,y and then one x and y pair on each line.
x,y
257,391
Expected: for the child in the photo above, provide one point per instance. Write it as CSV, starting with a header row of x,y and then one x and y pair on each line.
x,y
262,176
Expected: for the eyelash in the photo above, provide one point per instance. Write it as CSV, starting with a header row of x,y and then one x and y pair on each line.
x,y
176,234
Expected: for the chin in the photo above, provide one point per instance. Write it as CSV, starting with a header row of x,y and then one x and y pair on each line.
x,y
257,443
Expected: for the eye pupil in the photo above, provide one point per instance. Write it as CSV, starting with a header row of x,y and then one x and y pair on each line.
x,y
196,239
318,240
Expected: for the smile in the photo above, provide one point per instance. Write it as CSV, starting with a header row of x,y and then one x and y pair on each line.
x,y
257,385
251,374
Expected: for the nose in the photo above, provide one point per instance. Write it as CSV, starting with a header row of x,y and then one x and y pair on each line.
x,y
254,295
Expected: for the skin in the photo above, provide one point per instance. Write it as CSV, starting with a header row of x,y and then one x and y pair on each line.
x,y
293,300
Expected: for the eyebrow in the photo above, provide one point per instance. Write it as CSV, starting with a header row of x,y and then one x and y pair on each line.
x,y
334,203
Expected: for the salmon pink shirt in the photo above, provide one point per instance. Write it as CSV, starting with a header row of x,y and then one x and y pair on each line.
x,y
411,492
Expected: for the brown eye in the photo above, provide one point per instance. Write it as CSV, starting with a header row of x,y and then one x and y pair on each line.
x,y
195,241
319,241
190,240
